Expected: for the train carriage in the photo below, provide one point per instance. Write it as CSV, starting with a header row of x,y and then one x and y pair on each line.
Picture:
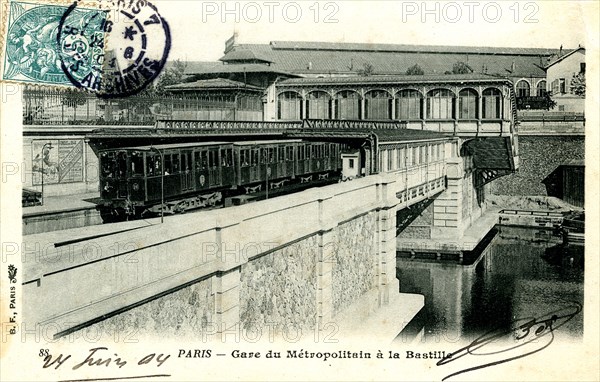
x,y
176,177
259,161
134,178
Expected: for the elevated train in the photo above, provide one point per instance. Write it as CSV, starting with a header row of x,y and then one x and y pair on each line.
x,y
140,180
171,178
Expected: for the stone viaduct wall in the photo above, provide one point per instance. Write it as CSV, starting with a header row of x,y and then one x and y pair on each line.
x,y
295,262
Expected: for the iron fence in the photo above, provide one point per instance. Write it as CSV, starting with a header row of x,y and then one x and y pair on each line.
x,y
72,107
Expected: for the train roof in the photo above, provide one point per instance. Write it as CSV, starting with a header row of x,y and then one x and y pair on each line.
x,y
169,146
266,142
383,135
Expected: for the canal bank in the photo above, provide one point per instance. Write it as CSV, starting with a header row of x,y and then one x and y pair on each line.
x,y
513,278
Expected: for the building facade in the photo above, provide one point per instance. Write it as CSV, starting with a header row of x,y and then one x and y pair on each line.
x,y
563,75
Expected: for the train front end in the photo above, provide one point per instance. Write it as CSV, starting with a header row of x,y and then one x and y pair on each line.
x,y
122,184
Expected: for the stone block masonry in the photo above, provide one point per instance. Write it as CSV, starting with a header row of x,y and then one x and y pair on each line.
x,y
296,262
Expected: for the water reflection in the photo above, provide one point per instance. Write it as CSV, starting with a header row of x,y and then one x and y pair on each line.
x,y
515,277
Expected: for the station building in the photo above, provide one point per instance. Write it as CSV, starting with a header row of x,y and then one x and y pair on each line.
x,y
447,89
266,65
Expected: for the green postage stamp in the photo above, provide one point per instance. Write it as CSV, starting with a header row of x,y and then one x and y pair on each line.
x,y
112,49
31,50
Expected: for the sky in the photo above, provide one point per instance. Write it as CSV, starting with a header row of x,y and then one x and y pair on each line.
x,y
200,28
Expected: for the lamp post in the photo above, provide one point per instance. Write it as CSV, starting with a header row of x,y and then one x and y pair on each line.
x,y
49,145
162,183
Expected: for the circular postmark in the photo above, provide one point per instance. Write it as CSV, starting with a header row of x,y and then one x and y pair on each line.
x,y
113,53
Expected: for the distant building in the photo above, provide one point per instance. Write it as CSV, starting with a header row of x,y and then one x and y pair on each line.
x,y
560,80
268,66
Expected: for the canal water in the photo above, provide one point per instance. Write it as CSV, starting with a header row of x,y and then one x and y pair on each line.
x,y
520,273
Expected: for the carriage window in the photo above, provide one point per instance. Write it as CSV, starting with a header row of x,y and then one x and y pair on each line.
x,y
255,155
271,156
263,156
350,163
150,164
185,161
175,163
168,164
226,158
245,158
156,165
122,164
212,159
229,153
281,154
289,153
137,163
197,163
107,161
204,160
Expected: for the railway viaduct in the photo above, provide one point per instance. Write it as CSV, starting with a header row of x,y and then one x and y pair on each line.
x,y
320,262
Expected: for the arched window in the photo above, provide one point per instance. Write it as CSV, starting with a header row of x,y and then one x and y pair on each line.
x,y
378,105
467,104
408,104
492,103
523,89
289,106
440,104
347,105
541,88
319,105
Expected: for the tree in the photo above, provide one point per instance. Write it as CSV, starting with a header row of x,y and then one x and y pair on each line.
x,y
461,68
170,76
73,98
578,84
367,70
415,70
549,103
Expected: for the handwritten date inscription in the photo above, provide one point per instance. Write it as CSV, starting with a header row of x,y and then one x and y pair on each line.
x,y
100,356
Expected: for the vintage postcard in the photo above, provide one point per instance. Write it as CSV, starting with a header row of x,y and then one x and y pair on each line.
x,y
299,190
